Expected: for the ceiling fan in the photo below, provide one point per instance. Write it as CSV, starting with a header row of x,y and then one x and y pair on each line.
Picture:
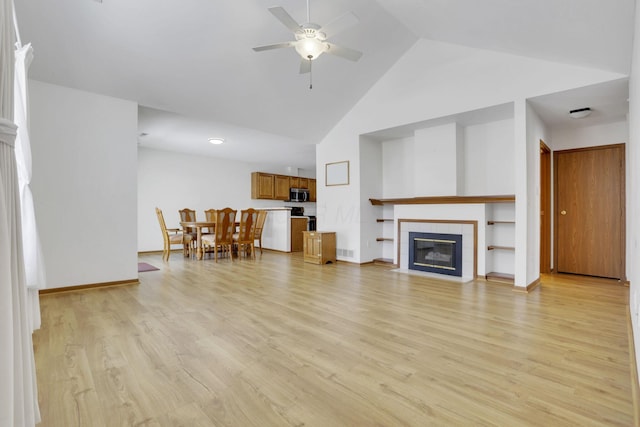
x,y
311,39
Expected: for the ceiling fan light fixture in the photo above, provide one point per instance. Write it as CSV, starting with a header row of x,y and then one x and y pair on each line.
x,y
310,48
216,141
580,113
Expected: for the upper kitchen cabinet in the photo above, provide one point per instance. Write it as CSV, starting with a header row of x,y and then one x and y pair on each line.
x,y
312,190
276,187
262,186
269,186
281,187
299,182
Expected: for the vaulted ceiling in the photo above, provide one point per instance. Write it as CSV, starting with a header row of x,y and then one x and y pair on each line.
x,y
191,67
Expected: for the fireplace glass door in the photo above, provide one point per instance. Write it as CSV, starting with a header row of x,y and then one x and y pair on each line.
x,y
436,253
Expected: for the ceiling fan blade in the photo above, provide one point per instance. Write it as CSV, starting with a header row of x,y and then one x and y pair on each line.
x,y
340,24
273,46
344,52
285,18
305,66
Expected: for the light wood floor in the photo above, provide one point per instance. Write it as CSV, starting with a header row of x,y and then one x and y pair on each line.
x,y
277,342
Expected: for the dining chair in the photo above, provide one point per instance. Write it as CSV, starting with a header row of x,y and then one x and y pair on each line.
x,y
173,236
222,237
262,216
244,239
187,214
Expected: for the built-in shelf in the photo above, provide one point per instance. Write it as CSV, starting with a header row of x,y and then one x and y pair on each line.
x,y
505,248
500,277
384,239
384,220
499,239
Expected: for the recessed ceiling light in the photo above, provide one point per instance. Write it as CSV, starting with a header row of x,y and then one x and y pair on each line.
x,y
216,141
580,113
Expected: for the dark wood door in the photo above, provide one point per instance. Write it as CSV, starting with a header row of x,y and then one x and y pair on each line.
x,y
589,211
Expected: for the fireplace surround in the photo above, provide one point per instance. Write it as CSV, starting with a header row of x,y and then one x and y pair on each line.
x,y
468,229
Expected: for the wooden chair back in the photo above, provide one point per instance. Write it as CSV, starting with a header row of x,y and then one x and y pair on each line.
x,y
187,214
222,237
248,221
163,225
246,233
262,216
225,226
210,215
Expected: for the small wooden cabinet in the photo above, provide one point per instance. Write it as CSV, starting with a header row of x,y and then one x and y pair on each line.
x,y
319,247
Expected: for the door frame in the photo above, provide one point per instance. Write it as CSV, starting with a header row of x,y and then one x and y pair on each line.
x,y
623,204
545,208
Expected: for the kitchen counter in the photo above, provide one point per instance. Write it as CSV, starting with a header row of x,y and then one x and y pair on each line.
x,y
283,232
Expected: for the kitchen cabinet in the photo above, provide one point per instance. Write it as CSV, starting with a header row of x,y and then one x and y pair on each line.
x,y
319,247
281,187
276,187
312,190
298,182
298,225
262,186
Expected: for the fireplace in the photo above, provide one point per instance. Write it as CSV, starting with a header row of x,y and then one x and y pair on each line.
x,y
436,253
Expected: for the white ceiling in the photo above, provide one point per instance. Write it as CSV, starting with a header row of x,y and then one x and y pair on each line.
x,y
190,65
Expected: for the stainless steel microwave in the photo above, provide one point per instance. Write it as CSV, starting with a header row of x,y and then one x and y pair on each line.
x,y
298,195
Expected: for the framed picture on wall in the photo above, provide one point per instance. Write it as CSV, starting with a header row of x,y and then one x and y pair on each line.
x,y
336,173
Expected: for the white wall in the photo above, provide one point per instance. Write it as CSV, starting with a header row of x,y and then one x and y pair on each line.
x,y
590,136
434,80
489,159
633,189
434,161
338,207
84,184
174,181
397,168
477,160
536,131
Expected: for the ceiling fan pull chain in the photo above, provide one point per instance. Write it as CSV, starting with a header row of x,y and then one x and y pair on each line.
x,y
310,74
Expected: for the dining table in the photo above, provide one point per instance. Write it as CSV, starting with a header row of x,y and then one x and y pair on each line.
x,y
198,225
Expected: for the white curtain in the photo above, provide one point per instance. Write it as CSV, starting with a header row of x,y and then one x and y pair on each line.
x,y
33,260
18,394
